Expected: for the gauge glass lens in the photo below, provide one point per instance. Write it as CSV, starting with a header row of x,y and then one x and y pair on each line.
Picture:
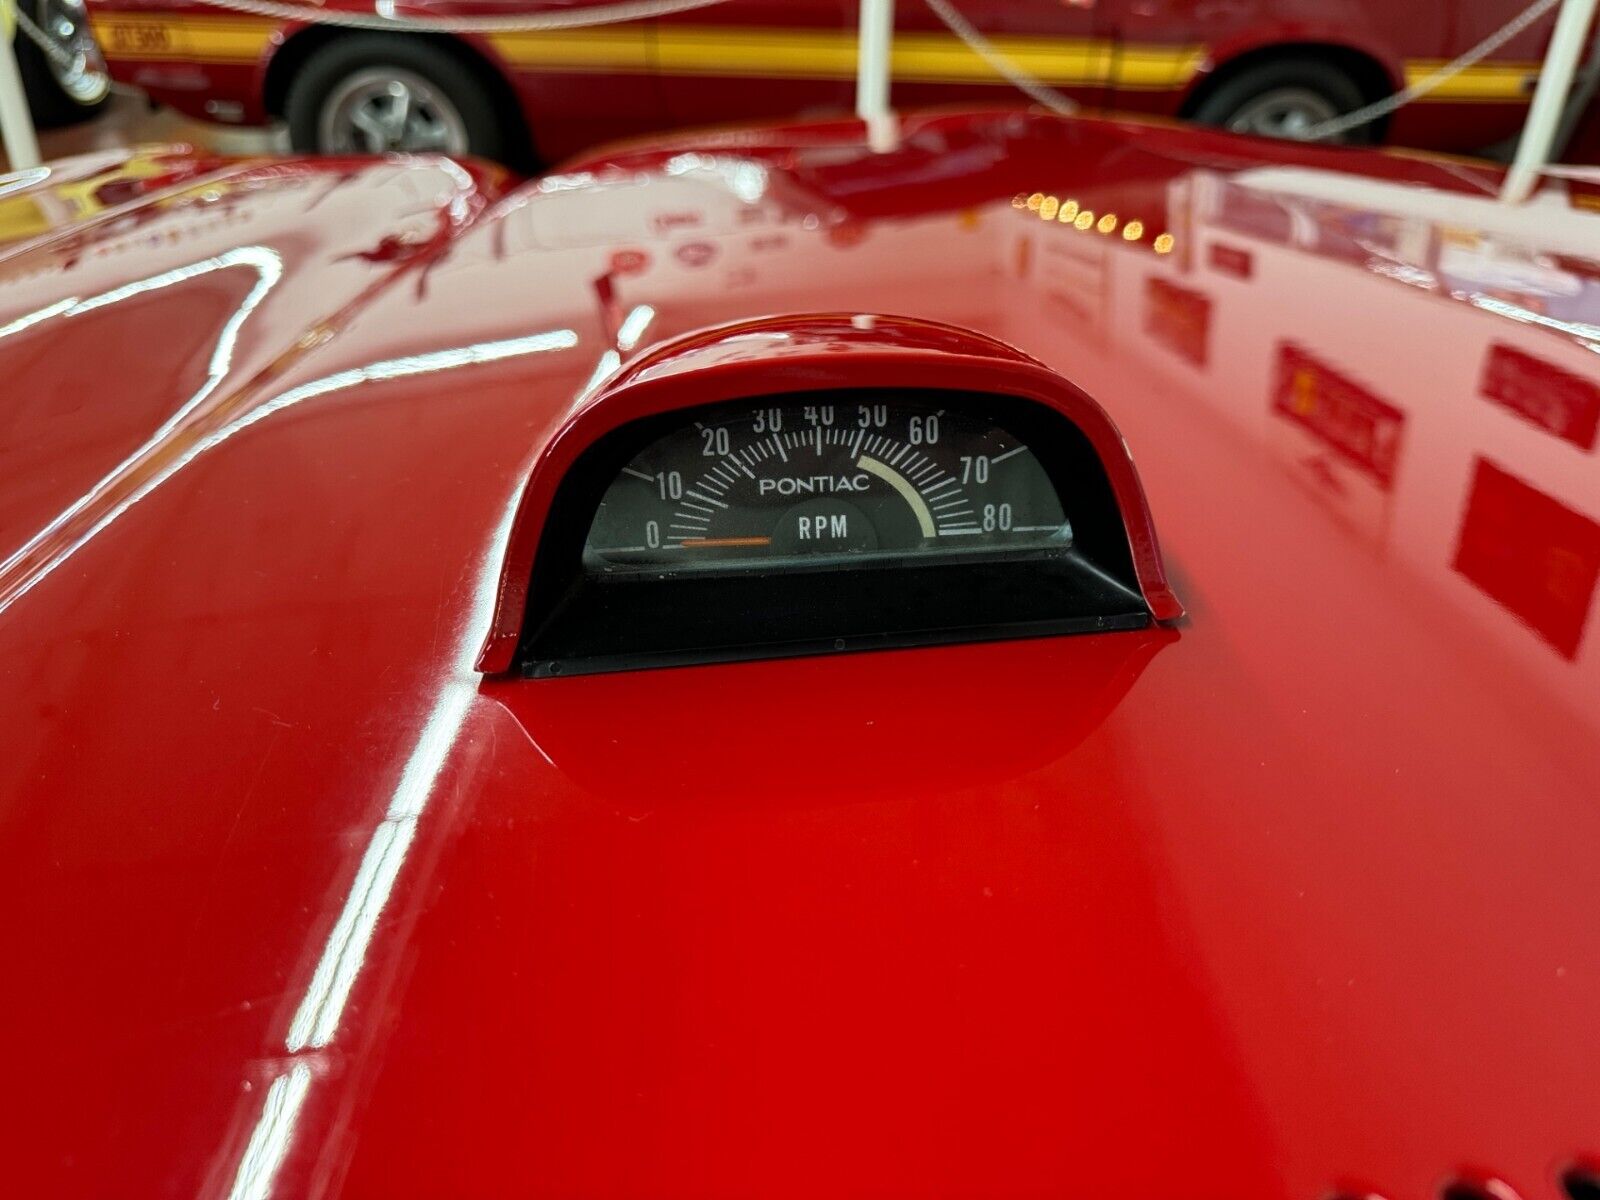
x,y
824,483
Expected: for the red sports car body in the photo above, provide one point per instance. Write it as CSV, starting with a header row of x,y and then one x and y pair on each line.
x,y
308,896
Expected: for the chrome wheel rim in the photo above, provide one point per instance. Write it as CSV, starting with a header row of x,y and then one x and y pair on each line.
x,y
74,60
380,110
1288,112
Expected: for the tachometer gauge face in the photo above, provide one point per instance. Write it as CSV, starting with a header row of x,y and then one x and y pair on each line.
x,y
813,482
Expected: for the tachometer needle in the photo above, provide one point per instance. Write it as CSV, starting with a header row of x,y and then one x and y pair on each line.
x,y
699,543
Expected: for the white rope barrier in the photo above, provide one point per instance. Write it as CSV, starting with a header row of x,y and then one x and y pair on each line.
x,y
1063,105
1002,66
1434,79
607,14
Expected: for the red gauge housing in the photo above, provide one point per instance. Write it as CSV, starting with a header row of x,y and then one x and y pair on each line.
x,y
543,586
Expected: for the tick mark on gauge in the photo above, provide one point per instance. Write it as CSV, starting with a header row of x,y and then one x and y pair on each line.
x,y
707,499
1000,458
638,474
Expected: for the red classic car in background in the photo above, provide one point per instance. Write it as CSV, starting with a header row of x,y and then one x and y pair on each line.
x,y
1266,66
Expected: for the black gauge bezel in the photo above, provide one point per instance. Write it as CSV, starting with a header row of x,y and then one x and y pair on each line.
x,y
581,620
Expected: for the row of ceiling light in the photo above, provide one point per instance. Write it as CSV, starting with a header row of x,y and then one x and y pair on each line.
x,y
1070,212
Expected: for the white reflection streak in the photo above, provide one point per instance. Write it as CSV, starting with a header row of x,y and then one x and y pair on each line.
x,y
270,1140
16,181
394,368
633,326
1588,334
608,362
745,178
28,321
465,185
269,269
316,1020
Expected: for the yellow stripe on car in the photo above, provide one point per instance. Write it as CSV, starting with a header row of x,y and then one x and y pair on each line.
x,y
791,53
622,48
219,39
916,57
1511,81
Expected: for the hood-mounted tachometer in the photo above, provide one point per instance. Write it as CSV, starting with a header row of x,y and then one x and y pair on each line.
x,y
812,484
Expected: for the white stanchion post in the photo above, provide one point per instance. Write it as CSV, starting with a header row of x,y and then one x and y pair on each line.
x,y
1549,99
16,122
872,74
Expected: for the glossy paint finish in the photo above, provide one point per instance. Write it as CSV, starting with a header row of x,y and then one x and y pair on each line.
x,y
1287,899
765,59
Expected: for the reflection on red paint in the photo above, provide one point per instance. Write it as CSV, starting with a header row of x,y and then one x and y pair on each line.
x,y
668,221
1555,400
629,262
846,234
1361,428
1532,554
696,254
1231,260
1178,317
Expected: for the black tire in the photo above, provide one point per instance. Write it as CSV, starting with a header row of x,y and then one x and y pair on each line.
x,y
51,106
490,130
1251,86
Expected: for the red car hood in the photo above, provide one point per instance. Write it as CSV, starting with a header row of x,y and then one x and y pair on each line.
x,y
1287,900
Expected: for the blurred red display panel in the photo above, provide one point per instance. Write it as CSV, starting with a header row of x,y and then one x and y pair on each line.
x,y
1178,317
1345,417
1231,260
1532,554
1557,401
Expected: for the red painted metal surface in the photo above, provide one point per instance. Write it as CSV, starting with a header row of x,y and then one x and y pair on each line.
x,y
762,59
1289,898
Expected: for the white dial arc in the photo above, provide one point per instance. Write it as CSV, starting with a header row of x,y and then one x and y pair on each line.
x,y
901,484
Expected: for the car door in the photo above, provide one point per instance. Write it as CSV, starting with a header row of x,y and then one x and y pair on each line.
x,y
1063,44
758,58
577,86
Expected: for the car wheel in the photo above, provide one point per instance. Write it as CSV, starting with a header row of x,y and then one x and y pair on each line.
x,y
380,93
1285,98
70,82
